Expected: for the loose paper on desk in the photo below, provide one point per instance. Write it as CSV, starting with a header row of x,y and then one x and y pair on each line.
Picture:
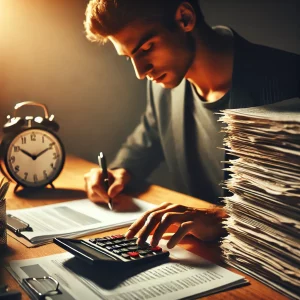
x,y
186,275
76,218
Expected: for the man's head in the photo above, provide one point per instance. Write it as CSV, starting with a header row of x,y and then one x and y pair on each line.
x,y
157,35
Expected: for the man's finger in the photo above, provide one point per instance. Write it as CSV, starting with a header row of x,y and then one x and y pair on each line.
x,y
180,233
139,223
116,188
152,221
167,220
96,191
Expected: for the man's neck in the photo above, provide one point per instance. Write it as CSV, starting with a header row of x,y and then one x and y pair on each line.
x,y
211,71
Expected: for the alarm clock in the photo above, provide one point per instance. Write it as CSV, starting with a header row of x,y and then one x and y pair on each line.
x,y
32,155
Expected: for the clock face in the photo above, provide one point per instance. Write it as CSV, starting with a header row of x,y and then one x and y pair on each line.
x,y
35,158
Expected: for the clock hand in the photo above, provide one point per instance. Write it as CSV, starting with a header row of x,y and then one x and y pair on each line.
x,y
28,154
42,152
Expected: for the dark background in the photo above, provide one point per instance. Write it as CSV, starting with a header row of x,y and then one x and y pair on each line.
x,y
93,93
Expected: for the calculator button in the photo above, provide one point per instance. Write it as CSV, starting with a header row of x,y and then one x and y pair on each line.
x,y
124,250
120,241
100,244
109,243
125,255
117,252
93,241
143,252
118,236
131,240
132,244
116,246
133,248
133,254
108,237
124,244
109,248
101,240
156,249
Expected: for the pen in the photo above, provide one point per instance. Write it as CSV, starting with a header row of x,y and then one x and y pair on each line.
x,y
102,164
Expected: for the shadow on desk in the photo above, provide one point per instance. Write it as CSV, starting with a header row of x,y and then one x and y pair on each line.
x,y
8,251
106,278
51,194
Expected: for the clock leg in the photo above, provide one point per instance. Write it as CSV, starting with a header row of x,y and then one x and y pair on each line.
x,y
16,188
52,185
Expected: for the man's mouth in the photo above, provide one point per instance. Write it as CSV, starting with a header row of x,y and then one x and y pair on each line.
x,y
160,78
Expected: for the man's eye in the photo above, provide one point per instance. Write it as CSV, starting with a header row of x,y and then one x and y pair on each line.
x,y
148,47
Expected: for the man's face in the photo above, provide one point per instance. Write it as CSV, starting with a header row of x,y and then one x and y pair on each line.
x,y
157,53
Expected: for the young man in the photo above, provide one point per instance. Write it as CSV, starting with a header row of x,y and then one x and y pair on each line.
x,y
193,71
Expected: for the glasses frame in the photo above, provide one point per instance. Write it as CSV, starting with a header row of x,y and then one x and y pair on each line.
x,y
37,292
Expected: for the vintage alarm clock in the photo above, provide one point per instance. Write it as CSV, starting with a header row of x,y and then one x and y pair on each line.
x,y
32,154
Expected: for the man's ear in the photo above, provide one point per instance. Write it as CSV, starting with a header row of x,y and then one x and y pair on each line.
x,y
185,16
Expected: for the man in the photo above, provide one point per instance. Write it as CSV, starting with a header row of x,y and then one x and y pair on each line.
x,y
193,72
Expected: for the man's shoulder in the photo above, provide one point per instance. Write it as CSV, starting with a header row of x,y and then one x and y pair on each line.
x,y
262,58
263,74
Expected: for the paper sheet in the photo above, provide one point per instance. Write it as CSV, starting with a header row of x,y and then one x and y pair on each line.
x,y
76,218
185,275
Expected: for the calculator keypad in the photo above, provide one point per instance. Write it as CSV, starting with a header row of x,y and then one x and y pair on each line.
x,y
125,249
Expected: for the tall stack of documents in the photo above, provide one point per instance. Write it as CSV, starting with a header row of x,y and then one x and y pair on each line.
x,y
263,222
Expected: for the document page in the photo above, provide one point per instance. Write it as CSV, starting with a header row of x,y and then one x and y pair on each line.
x,y
75,218
185,275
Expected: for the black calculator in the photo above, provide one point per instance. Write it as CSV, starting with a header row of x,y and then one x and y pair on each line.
x,y
114,250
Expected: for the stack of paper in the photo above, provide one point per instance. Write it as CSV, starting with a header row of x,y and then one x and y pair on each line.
x,y
264,211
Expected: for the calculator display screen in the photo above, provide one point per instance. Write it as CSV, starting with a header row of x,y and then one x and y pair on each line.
x,y
89,250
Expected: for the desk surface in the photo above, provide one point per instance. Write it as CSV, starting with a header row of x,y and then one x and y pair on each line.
x,y
70,186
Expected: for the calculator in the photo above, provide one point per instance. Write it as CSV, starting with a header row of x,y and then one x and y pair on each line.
x,y
114,250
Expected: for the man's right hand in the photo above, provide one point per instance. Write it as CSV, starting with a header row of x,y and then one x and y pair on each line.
x,y
118,179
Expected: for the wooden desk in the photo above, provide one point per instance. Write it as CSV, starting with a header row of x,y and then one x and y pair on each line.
x,y
70,186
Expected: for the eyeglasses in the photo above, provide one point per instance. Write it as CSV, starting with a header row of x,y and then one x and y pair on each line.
x,y
42,286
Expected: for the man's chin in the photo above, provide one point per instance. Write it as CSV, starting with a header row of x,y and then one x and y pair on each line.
x,y
169,85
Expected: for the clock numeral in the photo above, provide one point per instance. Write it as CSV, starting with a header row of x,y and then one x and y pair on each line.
x,y
45,174
33,137
55,156
23,139
43,138
12,159
51,145
25,175
52,166
17,169
16,148
35,178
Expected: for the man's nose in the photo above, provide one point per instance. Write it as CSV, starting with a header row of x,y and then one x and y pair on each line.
x,y
141,68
